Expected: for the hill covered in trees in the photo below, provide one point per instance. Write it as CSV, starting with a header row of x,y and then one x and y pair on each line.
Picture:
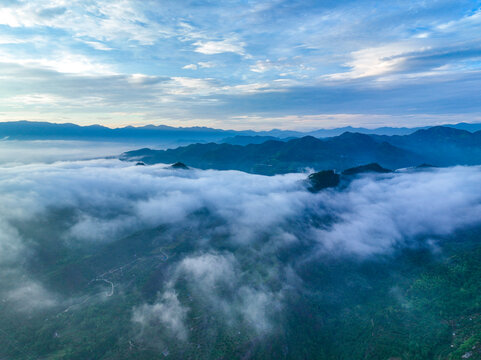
x,y
439,146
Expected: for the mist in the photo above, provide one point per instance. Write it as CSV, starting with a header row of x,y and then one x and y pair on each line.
x,y
246,241
112,199
21,152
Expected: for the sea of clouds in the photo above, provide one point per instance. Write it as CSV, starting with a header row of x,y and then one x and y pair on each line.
x,y
106,200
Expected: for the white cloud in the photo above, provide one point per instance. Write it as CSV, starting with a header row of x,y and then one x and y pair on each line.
x,y
202,65
191,86
262,66
375,216
466,22
11,244
31,296
211,276
60,61
167,313
206,64
376,61
251,203
97,45
190,67
100,20
36,99
256,87
209,270
13,152
257,306
253,218
219,47
6,40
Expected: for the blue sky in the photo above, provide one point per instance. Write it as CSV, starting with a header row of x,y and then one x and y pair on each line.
x,y
241,64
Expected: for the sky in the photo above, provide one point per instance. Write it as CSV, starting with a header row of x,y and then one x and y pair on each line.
x,y
241,64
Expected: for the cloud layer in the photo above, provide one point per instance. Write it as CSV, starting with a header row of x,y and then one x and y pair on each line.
x,y
210,64
114,198
242,225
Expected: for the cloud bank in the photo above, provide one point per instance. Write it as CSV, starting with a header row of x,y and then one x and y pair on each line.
x,y
245,236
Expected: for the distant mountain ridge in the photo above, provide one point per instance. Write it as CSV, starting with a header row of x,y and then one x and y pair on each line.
x,y
273,157
439,146
27,130
30,130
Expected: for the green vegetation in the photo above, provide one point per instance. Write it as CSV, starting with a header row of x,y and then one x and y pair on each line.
x,y
322,180
439,146
412,304
369,168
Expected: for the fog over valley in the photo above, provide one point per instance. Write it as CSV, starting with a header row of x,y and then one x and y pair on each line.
x,y
13,152
203,256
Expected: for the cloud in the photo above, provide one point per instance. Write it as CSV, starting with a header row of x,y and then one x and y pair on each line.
x,y
14,152
31,296
99,20
374,61
190,67
98,45
206,64
59,61
336,59
11,244
10,40
219,47
245,238
468,21
262,66
259,308
201,64
215,280
414,57
250,204
209,270
214,286
167,313
232,264
378,216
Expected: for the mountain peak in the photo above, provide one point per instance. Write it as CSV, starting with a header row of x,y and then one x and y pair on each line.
x,y
369,168
441,131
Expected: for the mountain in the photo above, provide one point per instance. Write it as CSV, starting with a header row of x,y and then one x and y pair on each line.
x,y
330,179
389,131
369,168
441,145
246,140
273,157
438,146
466,126
378,131
29,130
322,180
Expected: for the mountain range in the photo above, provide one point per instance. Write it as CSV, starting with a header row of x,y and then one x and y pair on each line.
x,y
439,146
29,130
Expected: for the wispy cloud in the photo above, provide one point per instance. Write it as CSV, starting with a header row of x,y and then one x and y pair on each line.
x,y
190,67
219,47
100,20
320,54
59,61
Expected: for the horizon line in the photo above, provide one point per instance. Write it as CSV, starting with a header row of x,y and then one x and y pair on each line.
x,y
234,130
